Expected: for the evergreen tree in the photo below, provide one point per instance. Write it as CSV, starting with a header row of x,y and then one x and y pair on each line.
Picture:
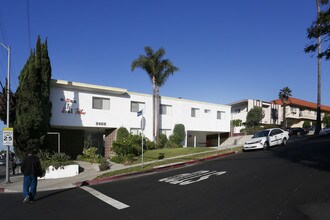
x,y
254,117
3,105
33,106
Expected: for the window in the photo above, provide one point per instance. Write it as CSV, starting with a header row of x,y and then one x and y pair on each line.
x,y
167,132
136,131
194,112
207,111
165,110
220,115
101,103
237,111
137,106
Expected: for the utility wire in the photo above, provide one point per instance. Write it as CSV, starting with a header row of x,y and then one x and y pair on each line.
x,y
29,23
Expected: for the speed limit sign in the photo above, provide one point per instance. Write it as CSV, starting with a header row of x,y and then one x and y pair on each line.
x,y
7,136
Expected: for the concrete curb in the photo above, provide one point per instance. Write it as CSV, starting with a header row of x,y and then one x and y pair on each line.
x,y
155,169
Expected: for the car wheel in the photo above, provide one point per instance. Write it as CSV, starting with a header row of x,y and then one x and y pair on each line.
x,y
284,141
266,145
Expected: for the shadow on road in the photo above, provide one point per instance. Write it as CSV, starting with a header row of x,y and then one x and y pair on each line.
x,y
314,153
51,194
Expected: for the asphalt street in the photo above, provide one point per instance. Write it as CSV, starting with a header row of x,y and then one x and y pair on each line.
x,y
284,182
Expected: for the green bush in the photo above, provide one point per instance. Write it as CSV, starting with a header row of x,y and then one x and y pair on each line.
x,y
150,145
172,144
44,155
130,145
129,158
306,124
117,159
104,165
178,136
56,160
162,141
60,157
90,153
122,133
161,156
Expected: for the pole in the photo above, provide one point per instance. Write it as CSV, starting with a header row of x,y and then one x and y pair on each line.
x,y
8,96
143,124
142,149
318,111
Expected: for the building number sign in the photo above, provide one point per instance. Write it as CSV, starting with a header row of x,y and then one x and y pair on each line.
x,y
101,124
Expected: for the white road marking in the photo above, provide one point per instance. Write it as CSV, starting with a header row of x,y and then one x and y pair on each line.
x,y
104,198
188,178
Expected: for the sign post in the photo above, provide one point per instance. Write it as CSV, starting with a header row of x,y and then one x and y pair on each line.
x,y
8,139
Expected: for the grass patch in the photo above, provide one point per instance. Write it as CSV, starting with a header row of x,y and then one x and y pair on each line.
x,y
152,155
201,154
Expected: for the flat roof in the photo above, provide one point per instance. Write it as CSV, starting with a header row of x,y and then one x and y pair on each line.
x,y
88,87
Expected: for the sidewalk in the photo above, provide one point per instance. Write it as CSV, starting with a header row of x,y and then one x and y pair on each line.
x,y
88,175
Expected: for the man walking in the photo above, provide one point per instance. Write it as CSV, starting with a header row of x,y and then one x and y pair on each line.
x,y
31,169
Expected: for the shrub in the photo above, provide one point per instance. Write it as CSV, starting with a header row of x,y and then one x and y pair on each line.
x,y
254,117
172,144
130,145
161,156
117,159
44,155
162,141
122,133
90,153
104,165
306,124
56,160
60,157
129,158
178,136
150,145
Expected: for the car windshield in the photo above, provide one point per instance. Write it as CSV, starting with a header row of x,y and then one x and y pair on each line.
x,y
261,134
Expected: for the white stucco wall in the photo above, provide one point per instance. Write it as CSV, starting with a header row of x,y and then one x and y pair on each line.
x,y
120,113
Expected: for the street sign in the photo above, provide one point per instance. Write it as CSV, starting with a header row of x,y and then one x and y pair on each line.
x,y
7,136
143,123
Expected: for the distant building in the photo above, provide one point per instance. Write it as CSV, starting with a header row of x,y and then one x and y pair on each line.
x,y
298,111
240,109
84,113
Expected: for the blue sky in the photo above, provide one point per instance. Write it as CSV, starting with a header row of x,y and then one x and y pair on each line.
x,y
226,50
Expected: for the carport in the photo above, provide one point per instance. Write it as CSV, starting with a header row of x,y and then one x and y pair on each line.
x,y
205,138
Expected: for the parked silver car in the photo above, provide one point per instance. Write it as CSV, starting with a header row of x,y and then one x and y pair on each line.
x,y
266,138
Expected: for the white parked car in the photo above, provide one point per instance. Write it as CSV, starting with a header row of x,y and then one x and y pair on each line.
x,y
325,131
266,138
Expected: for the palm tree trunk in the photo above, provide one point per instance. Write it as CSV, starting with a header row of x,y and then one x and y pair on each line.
x,y
154,108
157,104
318,111
284,116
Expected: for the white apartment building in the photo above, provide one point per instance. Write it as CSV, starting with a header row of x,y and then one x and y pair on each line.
x,y
84,113
240,109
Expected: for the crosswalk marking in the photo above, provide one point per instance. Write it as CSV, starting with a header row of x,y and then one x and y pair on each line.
x,y
105,198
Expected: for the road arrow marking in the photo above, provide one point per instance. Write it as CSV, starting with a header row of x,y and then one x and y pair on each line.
x,y
105,198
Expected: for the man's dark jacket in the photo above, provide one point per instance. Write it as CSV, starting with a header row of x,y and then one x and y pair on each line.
x,y
31,166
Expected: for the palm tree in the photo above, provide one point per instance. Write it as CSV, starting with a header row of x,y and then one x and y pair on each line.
x,y
158,70
284,95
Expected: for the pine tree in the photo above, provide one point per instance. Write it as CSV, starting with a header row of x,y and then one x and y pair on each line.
x,y
3,105
33,106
